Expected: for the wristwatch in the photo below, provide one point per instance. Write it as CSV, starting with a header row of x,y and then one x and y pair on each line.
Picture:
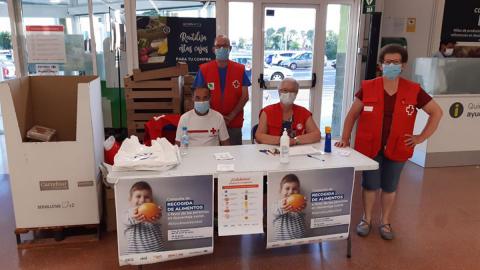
x,y
296,141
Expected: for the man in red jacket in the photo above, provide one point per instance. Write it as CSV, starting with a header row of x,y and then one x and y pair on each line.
x,y
228,84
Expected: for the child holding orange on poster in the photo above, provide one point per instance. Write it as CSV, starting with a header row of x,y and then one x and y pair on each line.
x,y
288,218
143,230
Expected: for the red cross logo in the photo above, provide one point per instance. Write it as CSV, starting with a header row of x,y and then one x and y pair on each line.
x,y
213,131
236,84
410,109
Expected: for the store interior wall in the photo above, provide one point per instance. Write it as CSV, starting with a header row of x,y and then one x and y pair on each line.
x,y
419,42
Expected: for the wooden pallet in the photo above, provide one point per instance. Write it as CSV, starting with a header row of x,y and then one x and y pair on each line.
x,y
57,235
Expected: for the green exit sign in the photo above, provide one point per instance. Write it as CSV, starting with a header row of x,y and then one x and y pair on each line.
x,y
368,6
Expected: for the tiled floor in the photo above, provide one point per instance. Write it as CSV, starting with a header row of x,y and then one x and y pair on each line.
x,y
436,217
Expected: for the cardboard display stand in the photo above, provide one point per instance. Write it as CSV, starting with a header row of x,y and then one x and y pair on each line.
x,y
54,183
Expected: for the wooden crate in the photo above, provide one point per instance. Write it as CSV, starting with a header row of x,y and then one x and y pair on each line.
x,y
188,79
166,88
178,70
187,105
153,93
145,99
139,113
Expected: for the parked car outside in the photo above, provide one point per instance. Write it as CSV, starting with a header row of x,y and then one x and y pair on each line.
x,y
271,73
303,60
278,58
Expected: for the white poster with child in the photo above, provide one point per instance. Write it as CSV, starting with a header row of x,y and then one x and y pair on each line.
x,y
161,219
308,206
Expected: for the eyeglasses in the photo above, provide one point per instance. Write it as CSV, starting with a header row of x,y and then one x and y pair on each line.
x,y
395,62
221,46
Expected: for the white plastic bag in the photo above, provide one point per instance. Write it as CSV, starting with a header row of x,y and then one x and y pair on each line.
x,y
135,156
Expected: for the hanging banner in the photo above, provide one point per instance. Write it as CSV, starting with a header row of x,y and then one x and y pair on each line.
x,y
164,41
161,219
461,21
310,206
45,44
240,203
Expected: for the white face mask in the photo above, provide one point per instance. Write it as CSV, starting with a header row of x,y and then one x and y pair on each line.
x,y
448,52
287,98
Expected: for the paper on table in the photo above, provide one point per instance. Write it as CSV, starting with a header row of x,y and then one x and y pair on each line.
x,y
225,167
343,153
223,156
303,150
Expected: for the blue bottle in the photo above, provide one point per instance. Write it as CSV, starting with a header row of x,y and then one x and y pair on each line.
x,y
328,140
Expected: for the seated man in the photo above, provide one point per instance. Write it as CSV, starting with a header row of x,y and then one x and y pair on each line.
x,y
296,119
205,126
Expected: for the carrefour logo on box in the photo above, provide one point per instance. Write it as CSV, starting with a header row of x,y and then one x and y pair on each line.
x,y
456,110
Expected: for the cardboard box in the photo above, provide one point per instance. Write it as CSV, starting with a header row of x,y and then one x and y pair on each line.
x,y
110,213
54,183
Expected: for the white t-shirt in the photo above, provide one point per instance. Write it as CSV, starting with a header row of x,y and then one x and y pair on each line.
x,y
205,130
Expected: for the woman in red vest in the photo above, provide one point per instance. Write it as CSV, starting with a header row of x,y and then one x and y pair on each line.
x,y
295,119
386,108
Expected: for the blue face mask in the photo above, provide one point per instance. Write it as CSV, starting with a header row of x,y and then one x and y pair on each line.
x,y
202,107
222,53
391,71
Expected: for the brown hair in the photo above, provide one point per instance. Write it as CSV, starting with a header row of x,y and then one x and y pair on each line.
x,y
391,49
140,186
289,178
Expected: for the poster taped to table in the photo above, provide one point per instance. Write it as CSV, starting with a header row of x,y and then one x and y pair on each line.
x,y
164,218
240,203
308,206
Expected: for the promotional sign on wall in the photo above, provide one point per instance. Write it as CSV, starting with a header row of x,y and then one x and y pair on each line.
x,y
164,41
461,21
240,203
46,44
161,219
308,206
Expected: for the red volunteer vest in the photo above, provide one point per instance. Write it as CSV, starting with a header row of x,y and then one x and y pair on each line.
x,y
225,103
154,128
368,140
275,119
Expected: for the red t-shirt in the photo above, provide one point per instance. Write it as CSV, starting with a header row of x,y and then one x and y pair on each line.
x,y
389,104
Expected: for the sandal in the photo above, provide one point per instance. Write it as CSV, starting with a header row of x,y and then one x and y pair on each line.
x,y
386,232
363,228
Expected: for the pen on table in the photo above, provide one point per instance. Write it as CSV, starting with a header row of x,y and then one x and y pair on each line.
x,y
310,156
264,151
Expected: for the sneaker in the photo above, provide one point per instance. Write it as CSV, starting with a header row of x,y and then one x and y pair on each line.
x,y
386,232
363,228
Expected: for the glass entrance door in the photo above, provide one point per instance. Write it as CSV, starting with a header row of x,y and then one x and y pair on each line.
x,y
288,50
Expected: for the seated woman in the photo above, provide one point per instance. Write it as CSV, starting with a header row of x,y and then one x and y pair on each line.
x,y
295,119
